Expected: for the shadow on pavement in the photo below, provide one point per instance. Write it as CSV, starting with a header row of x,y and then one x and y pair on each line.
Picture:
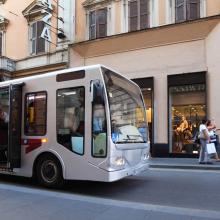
x,y
89,188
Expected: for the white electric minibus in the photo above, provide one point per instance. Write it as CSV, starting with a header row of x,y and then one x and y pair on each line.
x,y
86,123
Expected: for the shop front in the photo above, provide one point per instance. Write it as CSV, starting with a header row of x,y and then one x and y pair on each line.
x,y
186,109
186,106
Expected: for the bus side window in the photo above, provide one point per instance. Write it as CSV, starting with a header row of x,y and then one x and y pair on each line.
x,y
30,112
35,113
70,118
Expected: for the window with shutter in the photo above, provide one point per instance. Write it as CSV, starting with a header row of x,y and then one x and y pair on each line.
x,y
37,43
98,23
40,40
33,38
193,9
180,10
92,25
187,10
102,23
144,14
133,15
139,14
1,43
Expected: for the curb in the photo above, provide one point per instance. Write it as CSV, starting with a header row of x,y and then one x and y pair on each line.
x,y
185,167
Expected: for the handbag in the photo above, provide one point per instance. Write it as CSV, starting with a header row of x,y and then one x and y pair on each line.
x,y
211,148
202,135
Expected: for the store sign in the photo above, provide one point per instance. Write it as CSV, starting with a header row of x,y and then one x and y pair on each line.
x,y
46,19
46,34
187,88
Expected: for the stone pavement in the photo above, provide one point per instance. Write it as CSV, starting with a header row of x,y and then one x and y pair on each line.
x,y
19,203
182,163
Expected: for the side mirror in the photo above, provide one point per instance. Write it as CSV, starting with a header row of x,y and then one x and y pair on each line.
x,y
97,92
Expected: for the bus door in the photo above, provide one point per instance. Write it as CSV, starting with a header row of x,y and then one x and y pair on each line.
x,y
4,118
15,115
99,123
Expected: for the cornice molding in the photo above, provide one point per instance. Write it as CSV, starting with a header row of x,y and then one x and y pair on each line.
x,y
3,23
35,9
2,1
92,3
188,31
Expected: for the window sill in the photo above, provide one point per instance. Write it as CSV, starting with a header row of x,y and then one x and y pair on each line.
x,y
38,54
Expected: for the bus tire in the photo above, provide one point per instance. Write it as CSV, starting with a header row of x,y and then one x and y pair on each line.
x,y
49,171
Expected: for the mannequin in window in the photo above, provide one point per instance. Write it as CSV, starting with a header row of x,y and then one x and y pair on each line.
x,y
184,124
178,143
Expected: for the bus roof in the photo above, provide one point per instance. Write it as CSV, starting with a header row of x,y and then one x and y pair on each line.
x,y
52,73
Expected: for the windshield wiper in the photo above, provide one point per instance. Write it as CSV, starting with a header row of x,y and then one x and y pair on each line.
x,y
129,141
134,135
129,138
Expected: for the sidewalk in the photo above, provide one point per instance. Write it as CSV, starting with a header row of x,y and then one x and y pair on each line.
x,y
182,163
19,203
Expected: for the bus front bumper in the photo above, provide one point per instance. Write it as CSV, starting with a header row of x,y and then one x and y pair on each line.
x,y
119,174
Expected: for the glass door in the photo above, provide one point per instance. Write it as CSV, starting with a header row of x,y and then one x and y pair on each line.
x,y
15,115
4,120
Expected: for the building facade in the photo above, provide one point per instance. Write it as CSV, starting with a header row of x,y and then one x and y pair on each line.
x,y
23,51
168,47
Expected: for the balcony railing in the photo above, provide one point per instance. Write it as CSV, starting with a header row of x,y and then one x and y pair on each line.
x,y
7,64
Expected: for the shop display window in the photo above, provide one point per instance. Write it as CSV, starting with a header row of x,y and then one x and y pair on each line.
x,y
187,107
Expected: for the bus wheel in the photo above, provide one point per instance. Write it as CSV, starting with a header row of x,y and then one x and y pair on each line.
x,y
49,171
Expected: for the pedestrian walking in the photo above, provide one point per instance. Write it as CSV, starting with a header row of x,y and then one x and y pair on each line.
x,y
213,138
204,157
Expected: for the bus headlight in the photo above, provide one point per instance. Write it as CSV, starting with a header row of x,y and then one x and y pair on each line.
x,y
118,162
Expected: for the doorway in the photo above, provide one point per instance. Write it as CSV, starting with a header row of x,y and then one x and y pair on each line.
x,y
10,126
4,123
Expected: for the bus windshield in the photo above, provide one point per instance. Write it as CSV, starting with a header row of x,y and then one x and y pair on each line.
x,y
127,111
